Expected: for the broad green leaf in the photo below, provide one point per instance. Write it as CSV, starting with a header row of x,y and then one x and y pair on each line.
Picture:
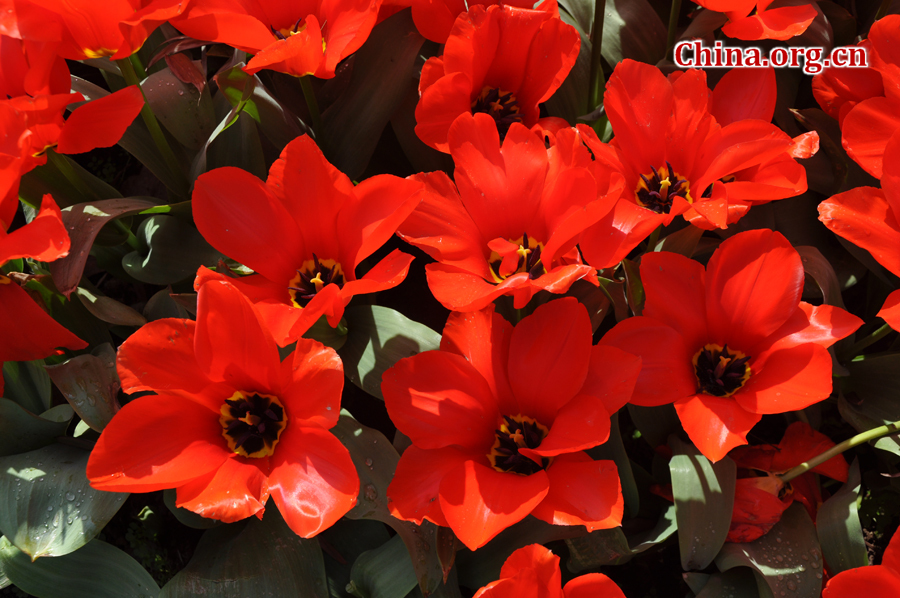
x,y
736,583
185,112
163,305
252,558
189,518
614,449
875,380
238,146
343,542
84,221
375,461
175,249
570,100
786,561
199,165
655,423
98,570
90,384
377,338
820,269
682,242
840,532
632,29
384,572
47,506
27,384
109,310
383,70
634,289
325,334
612,547
704,497
49,178
22,431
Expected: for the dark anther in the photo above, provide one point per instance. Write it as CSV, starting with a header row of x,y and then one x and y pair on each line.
x,y
720,372
252,424
658,192
312,277
515,433
501,105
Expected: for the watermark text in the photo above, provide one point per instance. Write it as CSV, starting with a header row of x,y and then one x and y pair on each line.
x,y
693,54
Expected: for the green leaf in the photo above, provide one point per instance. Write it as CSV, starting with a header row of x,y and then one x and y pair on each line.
x,y
238,146
633,287
48,178
325,334
47,506
820,269
614,449
342,543
27,384
175,250
632,29
90,384
615,292
704,497
384,68
109,310
375,461
655,424
98,570
84,221
787,560
736,583
185,112
199,165
377,338
840,532
683,242
384,572
22,431
612,547
252,558
570,100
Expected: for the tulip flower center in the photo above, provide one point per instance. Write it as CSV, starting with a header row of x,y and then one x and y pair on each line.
x,y
658,190
501,105
312,277
286,32
516,432
720,372
510,257
98,53
252,423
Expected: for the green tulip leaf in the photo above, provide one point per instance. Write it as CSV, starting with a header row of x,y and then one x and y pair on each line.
x,y
22,431
252,558
377,338
90,384
47,506
840,532
704,498
27,384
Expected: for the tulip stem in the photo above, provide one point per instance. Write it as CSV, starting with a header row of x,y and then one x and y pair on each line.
x,y
159,138
873,338
654,239
598,81
313,105
673,25
868,435
882,10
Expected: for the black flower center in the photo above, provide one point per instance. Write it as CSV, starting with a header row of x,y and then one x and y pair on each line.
x,y
499,104
658,190
517,431
252,423
286,32
720,372
513,257
312,278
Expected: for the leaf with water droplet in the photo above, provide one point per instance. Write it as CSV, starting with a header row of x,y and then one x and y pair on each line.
x,y
90,385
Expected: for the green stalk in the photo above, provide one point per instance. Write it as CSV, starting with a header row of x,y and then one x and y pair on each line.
x,y
882,10
673,25
868,435
131,78
598,81
654,239
313,105
873,338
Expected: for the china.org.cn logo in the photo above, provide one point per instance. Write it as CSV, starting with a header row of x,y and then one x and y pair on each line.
x,y
813,59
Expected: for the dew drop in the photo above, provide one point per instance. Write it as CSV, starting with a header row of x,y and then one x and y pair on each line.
x,y
371,492
792,586
70,497
369,463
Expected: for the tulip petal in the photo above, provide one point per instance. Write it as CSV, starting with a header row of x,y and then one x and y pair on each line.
x,y
890,311
157,442
160,356
413,491
44,238
592,585
101,122
582,492
234,491
313,479
313,378
787,380
675,287
715,424
480,502
28,332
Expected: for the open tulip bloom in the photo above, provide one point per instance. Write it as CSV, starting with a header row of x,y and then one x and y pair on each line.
x,y
500,418
230,424
732,342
